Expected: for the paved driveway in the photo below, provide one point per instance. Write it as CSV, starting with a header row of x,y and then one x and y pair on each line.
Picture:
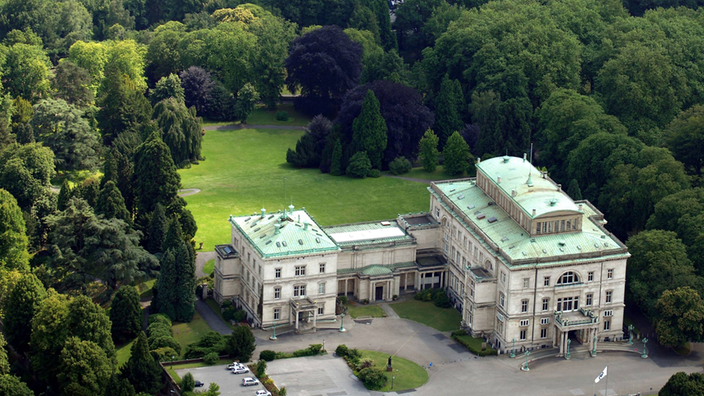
x,y
316,376
230,384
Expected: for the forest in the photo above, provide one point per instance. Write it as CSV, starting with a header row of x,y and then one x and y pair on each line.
x,y
105,97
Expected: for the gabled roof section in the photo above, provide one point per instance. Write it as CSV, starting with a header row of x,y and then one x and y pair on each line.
x,y
541,193
287,233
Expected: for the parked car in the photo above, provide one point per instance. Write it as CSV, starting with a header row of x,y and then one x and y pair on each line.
x,y
249,381
199,384
262,392
240,370
234,365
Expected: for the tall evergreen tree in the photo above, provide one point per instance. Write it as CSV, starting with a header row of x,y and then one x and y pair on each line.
x,y
429,151
166,283
370,130
186,286
4,362
118,386
153,162
122,105
24,302
448,109
336,168
157,229
241,343
456,155
142,371
111,205
125,314
574,191
13,237
174,235
65,193
88,191
84,368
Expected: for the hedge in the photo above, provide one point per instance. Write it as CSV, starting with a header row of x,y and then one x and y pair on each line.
x,y
466,340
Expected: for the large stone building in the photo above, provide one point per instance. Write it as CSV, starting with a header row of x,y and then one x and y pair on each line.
x,y
524,263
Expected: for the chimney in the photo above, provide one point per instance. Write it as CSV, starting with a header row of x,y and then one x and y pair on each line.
x,y
513,193
479,159
276,229
534,212
580,207
305,226
524,157
559,187
263,213
498,179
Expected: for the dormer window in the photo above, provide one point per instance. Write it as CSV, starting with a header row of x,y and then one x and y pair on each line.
x,y
568,278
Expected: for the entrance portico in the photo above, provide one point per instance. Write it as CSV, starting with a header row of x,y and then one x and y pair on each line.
x,y
301,310
584,324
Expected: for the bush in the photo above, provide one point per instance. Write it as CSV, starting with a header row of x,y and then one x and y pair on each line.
x,y
239,316
365,363
267,355
211,358
315,349
342,350
159,318
418,296
373,378
459,333
427,297
261,368
188,383
399,166
359,165
165,342
442,300
374,173
229,313
281,116
464,340
343,300
165,354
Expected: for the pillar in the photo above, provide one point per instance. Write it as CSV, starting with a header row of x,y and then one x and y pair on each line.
x,y
345,287
315,318
296,315
405,283
372,295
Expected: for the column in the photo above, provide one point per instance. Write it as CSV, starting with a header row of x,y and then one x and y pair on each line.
x,y
405,283
290,315
315,318
345,287
372,295
296,327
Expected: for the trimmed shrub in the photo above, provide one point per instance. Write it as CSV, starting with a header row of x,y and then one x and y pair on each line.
x,y
343,300
442,300
261,368
374,173
239,316
267,355
399,166
359,165
342,350
188,383
159,318
165,354
165,342
463,339
459,333
281,116
373,378
211,358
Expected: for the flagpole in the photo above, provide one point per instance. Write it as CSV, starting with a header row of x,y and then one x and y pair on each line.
x,y
607,384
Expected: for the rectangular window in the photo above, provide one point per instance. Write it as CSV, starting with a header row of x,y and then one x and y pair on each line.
x,y
526,283
544,333
501,300
537,228
568,225
277,314
277,293
301,270
277,273
321,268
524,306
545,227
562,225
590,276
299,291
609,313
503,277
609,274
607,325
546,304
523,335
559,304
524,322
546,281
544,321
321,309
590,296
608,296
321,288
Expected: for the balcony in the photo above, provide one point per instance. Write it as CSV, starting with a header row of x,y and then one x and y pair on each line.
x,y
576,320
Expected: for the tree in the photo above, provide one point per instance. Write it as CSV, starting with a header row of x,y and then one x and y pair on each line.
x,y
181,130
122,105
573,190
373,377
428,151
143,372
310,146
84,368
658,263
63,128
685,139
336,163
167,87
370,130
411,16
456,155
449,106
247,97
197,88
4,363
27,72
12,386
176,289
359,165
325,64
13,238
241,343
111,205
24,301
188,383
125,314
26,171
681,384
72,83
118,386
680,314
152,161
157,229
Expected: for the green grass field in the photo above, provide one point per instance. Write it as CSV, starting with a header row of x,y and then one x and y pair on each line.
x,y
374,311
123,353
262,116
245,170
188,333
408,374
209,266
442,319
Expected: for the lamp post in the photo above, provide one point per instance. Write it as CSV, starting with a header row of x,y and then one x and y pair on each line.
x,y
172,360
525,366
393,377
513,349
594,349
273,337
630,334
645,349
342,323
567,355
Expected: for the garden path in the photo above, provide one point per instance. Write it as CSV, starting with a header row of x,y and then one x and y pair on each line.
x,y
213,320
389,311
201,259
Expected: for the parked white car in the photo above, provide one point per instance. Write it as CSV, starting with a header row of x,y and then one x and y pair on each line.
x,y
234,365
240,370
262,392
249,381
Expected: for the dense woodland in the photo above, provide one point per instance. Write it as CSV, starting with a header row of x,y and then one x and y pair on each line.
x,y
108,95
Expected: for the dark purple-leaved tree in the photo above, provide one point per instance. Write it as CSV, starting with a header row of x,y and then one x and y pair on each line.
x,y
197,87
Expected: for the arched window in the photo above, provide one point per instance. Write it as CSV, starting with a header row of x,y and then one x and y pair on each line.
x,y
568,278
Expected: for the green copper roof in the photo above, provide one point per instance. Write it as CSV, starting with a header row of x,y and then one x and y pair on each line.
x,y
372,270
376,270
513,241
282,234
543,195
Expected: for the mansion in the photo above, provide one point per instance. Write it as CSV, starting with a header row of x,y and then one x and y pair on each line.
x,y
524,264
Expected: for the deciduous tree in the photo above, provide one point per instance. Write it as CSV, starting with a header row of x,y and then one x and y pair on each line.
x,y
72,83
181,130
23,303
681,384
680,316
456,155
13,237
167,87
684,136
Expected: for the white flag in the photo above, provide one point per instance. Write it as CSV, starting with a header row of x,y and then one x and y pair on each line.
x,y
602,375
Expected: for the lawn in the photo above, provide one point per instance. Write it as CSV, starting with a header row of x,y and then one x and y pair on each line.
x,y
442,319
358,310
123,353
408,374
246,170
170,368
262,116
188,333
209,266
145,288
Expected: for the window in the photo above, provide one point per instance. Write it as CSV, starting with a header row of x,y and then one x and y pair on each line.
x,y
590,276
321,309
524,306
609,313
568,225
277,314
524,322
523,335
544,321
608,296
546,304
301,270
299,291
544,333
321,268
277,293
567,304
437,212
248,257
502,299
546,281
321,288
607,325
503,277
526,283
609,274
590,296
568,278
277,273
